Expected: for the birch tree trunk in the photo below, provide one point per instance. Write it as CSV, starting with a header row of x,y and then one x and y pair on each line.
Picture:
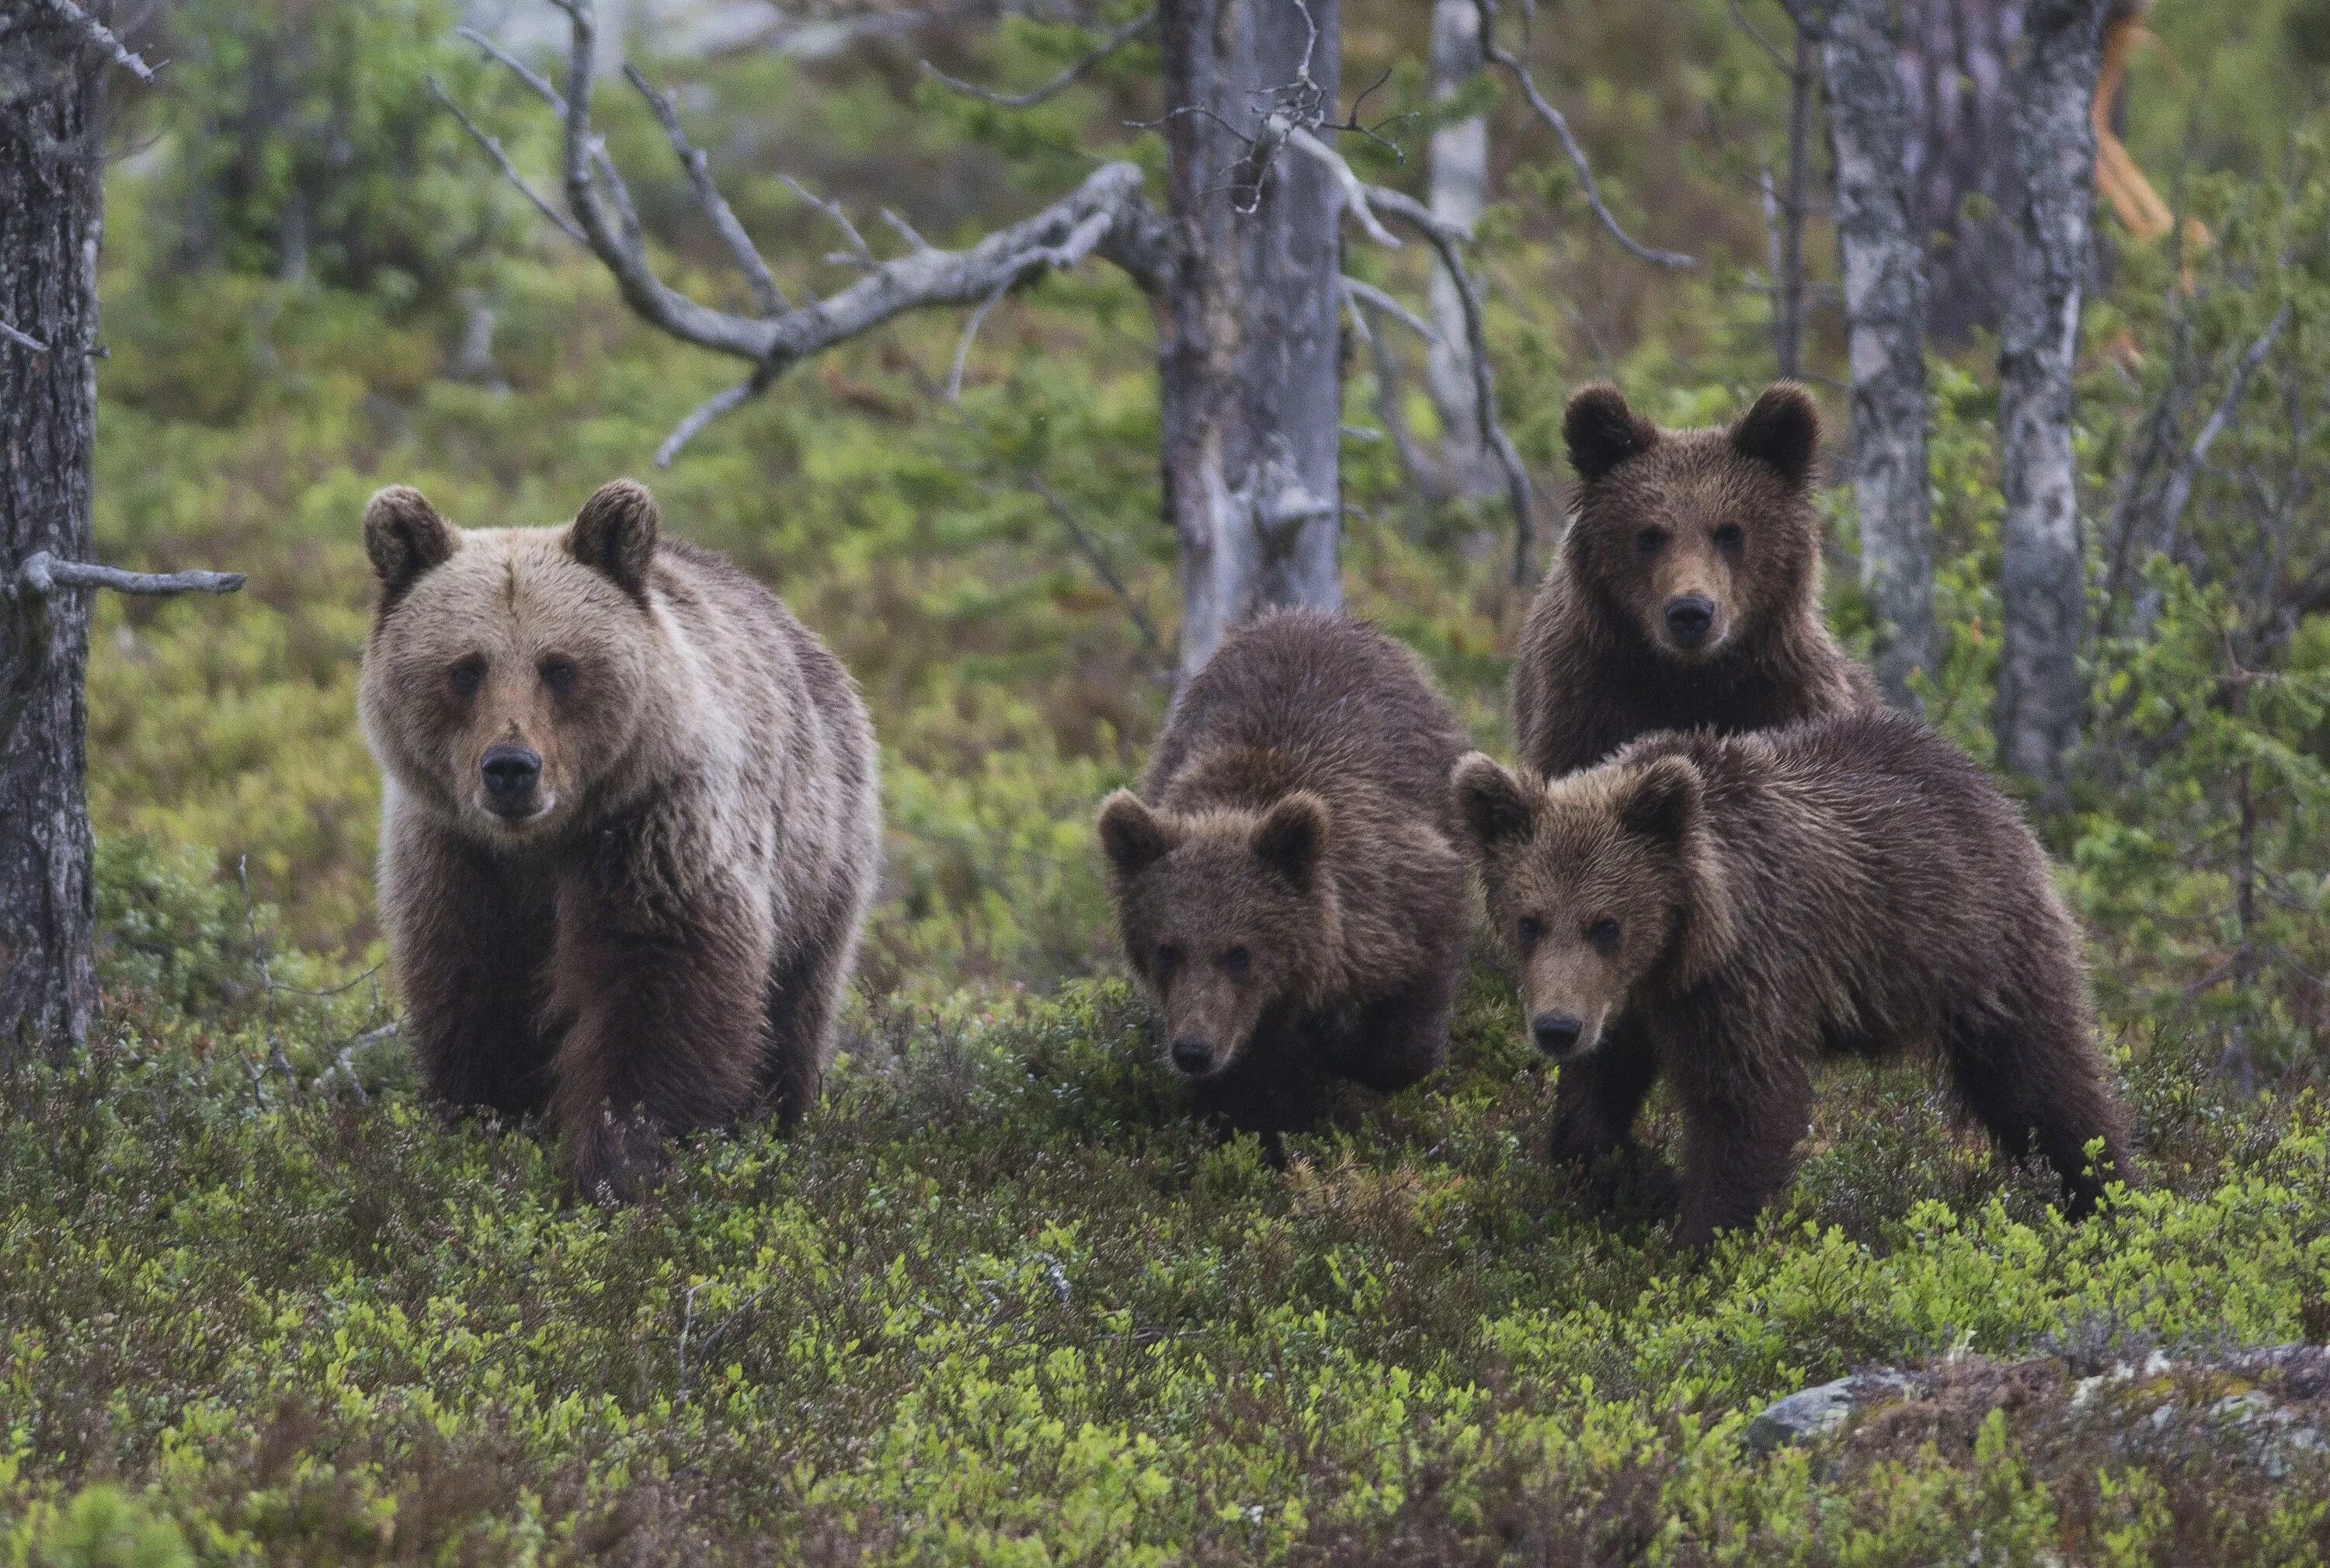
x,y
1882,257
52,205
1250,388
2042,586
1458,172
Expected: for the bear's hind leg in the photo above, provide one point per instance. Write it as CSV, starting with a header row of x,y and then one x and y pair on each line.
x,y
2033,1077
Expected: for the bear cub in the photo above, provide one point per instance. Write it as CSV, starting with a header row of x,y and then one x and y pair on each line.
x,y
1287,881
1753,902
628,826
1687,591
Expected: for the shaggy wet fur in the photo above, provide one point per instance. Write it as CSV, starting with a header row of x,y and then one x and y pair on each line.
x,y
1667,525
1751,903
1286,881
630,830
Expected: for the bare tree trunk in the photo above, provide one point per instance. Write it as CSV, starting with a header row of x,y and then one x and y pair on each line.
x,y
1250,385
1458,158
2042,587
1788,270
52,205
1882,258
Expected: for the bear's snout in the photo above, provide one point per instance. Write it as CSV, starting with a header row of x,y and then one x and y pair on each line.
x,y
1192,1055
512,776
1557,1034
1690,618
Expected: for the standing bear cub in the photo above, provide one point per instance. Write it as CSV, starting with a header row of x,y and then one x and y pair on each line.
x,y
1753,902
1687,591
1287,881
629,826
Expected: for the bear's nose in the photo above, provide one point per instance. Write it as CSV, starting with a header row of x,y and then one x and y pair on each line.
x,y
510,772
1193,1056
1556,1032
1689,619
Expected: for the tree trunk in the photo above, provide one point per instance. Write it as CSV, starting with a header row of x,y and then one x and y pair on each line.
x,y
51,196
1883,261
2043,586
1788,217
1458,158
1250,386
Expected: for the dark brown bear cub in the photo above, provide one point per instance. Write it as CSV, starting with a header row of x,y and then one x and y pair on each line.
x,y
1753,902
1287,882
629,830
1687,591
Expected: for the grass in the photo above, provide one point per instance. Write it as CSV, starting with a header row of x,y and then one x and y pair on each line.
x,y
1002,1302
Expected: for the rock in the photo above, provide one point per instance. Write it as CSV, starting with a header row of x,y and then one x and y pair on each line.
x,y
1814,1412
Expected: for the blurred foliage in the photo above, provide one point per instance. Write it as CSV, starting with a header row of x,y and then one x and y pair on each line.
x,y
1001,1301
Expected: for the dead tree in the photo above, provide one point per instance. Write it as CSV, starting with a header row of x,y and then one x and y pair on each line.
x,y
54,57
1242,272
2043,587
1881,254
1457,167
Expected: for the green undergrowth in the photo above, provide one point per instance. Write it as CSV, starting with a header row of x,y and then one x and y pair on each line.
x,y
1001,1301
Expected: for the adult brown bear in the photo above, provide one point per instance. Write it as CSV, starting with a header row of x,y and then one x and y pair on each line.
x,y
629,826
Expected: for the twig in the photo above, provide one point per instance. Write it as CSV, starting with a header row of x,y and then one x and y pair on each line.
x,y
720,403
97,32
1355,191
863,253
969,332
22,340
749,260
566,225
1496,54
41,574
1376,299
905,231
1084,62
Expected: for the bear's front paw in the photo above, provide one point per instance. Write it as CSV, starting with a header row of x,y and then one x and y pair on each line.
x,y
616,1161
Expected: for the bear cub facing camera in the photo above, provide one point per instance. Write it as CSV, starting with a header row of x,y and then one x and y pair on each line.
x,y
1686,593
1287,882
629,828
1748,904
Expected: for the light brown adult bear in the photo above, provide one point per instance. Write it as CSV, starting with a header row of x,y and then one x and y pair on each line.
x,y
1754,902
1287,882
1687,589
629,826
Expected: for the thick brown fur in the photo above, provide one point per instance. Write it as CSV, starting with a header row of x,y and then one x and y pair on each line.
x,y
654,934
1750,903
1287,882
1661,521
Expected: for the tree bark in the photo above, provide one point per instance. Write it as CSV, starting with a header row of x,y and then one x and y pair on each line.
x,y
1458,172
1250,387
2042,580
52,208
1882,258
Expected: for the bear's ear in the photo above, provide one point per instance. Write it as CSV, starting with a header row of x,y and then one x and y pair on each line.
x,y
405,537
1662,802
615,534
1491,803
1134,837
1292,837
1782,430
1603,432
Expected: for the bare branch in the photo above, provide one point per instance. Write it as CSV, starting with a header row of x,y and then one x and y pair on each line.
x,y
861,253
1084,62
1447,239
98,33
41,574
1378,300
1771,51
1518,70
493,147
22,340
970,332
749,260
905,231
711,408
1355,190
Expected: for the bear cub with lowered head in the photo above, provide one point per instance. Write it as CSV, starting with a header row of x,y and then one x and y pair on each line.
x,y
1753,902
629,827
1287,880
1687,590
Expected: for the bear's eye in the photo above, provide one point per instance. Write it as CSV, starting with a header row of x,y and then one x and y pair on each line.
x,y
1235,962
558,674
1531,930
1168,959
1730,537
1604,934
467,677
1650,542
